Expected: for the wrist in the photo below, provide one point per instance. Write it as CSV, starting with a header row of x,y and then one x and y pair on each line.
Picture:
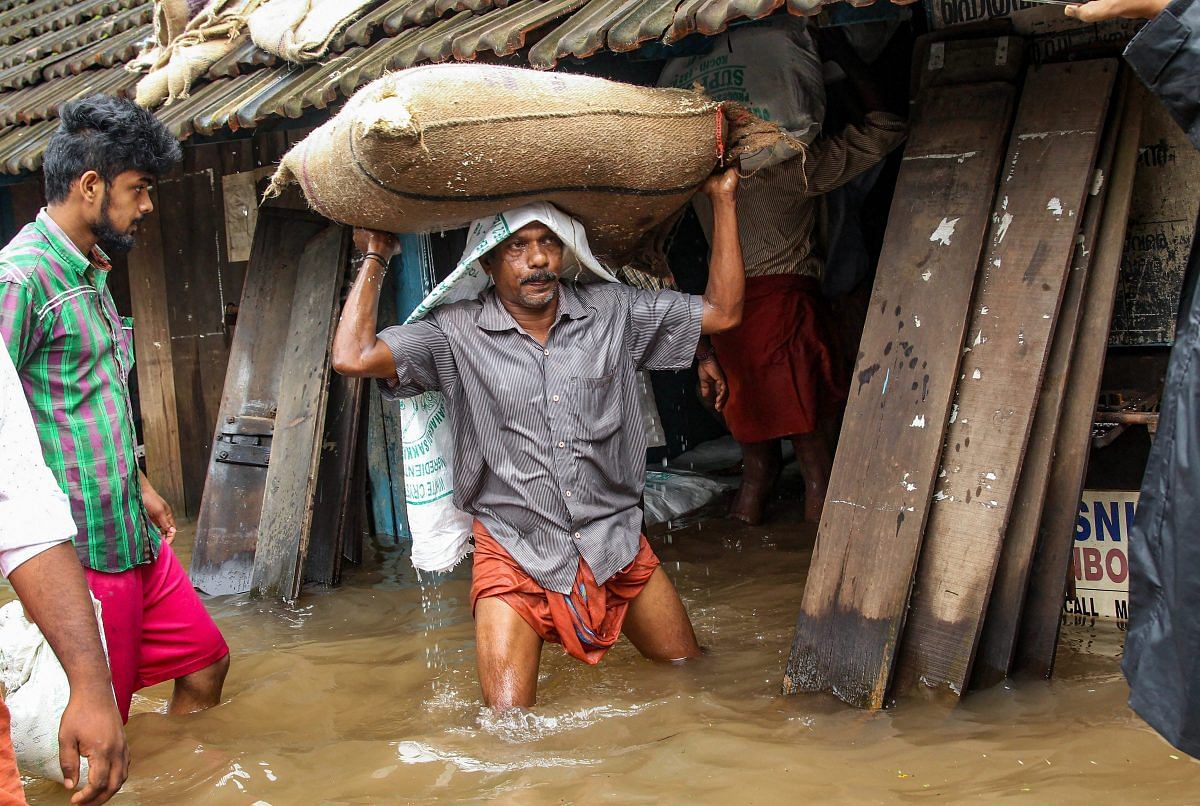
x,y
705,354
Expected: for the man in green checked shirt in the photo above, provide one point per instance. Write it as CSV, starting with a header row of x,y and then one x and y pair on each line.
x,y
59,324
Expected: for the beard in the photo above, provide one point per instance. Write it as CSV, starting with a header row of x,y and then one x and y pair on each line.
x,y
110,239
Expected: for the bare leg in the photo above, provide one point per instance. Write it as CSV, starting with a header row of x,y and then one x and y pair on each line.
x,y
656,623
507,654
761,463
816,463
199,690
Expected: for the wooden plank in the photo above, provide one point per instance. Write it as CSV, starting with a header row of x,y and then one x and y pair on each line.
x,y
1042,615
337,463
383,496
870,534
1000,626
227,527
1048,171
190,212
291,483
154,365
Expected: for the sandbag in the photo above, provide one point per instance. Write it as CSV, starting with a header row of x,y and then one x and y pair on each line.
x,y
36,693
302,30
437,146
772,68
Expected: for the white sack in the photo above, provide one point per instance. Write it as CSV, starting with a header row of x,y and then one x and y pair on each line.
x,y
302,30
440,531
771,67
36,692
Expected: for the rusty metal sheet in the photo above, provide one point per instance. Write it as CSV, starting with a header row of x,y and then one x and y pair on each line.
x,y
364,29
714,16
241,89
646,21
505,31
27,73
21,147
177,117
582,35
245,58
420,14
439,47
75,36
114,50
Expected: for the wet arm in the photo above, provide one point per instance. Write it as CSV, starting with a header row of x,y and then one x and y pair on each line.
x,y
726,287
357,351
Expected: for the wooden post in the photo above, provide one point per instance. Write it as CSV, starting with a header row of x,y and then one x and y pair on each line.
x,y
154,365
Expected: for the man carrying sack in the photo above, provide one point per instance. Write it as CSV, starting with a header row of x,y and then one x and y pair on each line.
x,y
549,452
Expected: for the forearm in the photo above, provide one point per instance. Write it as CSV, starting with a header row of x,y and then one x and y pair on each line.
x,y
52,588
354,341
726,287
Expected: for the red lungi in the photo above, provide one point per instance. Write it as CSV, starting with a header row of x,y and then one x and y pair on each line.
x,y
587,623
781,365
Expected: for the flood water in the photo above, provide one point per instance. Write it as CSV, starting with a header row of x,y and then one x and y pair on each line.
x,y
367,694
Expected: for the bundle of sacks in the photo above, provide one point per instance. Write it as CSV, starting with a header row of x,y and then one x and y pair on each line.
x,y
436,147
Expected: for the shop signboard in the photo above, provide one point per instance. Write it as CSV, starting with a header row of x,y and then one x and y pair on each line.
x,y
1100,557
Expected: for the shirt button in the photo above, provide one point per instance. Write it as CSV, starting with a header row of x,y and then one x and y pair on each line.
x,y
578,536
545,352
568,493
555,398
562,444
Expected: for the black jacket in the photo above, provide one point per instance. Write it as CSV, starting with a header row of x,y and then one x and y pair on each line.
x,y
1165,54
1162,648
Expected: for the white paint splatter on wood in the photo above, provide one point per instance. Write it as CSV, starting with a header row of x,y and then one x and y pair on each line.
x,y
944,231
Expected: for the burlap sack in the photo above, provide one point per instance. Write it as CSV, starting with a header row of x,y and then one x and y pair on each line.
x,y
435,147
214,32
301,30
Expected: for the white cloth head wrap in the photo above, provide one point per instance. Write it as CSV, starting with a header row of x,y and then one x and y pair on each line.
x,y
468,278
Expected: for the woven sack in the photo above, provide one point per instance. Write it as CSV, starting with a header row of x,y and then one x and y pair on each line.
x,y
438,146
301,30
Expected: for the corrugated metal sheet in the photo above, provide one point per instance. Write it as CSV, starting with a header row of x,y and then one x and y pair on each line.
x,y
75,36
42,101
248,86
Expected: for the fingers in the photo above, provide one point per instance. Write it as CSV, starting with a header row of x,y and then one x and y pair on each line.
x,y
68,761
722,395
1094,11
107,772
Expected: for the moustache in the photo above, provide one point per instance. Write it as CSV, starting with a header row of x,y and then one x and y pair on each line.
x,y
540,277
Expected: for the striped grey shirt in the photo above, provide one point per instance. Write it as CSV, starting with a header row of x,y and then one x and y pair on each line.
x,y
549,448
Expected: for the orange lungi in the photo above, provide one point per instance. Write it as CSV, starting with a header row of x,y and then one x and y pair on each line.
x,y
587,623
11,791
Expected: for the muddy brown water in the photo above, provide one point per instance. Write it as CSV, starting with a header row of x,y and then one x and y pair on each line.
x,y
367,694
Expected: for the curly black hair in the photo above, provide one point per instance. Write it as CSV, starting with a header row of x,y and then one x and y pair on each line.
x,y
107,135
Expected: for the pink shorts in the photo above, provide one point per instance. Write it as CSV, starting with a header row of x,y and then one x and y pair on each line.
x,y
155,625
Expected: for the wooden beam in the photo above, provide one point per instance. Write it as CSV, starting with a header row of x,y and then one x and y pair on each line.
x,y
1048,170
1042,616
857,591
154,364
287,511
1007,603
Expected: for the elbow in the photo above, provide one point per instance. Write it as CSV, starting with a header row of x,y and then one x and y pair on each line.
x,y
346,364
726,321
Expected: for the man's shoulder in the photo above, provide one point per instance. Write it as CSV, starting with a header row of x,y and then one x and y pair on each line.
x,y
23,260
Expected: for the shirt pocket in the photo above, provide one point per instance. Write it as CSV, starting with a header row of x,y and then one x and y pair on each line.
x,y
599,407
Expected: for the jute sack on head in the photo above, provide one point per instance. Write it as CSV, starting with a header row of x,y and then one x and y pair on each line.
x,y
438,146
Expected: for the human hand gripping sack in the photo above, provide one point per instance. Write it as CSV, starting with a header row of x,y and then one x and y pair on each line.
x,y
91,728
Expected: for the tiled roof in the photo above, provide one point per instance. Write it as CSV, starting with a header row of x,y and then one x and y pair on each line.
x,y
52,51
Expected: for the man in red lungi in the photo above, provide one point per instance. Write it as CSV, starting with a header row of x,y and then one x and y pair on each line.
x,y
786,377
540,380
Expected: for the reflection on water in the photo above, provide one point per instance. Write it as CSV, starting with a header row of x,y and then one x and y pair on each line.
x,y
367,694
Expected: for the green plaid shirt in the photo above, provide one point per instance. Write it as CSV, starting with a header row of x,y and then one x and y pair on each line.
x,y
59,323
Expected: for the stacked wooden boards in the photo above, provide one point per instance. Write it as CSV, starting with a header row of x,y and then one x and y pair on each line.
x,y
279,479
980,253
